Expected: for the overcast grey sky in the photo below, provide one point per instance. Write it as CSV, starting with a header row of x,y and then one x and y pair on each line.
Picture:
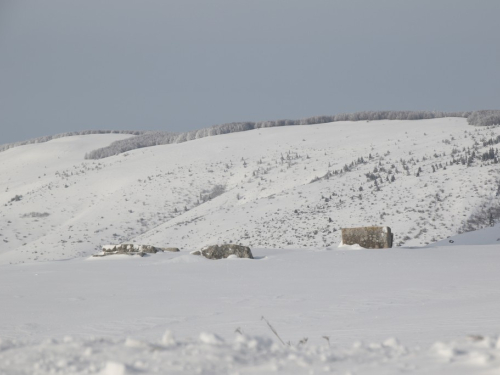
x,y
182,65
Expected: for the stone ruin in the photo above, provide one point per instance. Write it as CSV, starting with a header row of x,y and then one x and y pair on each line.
x,y
368,237
132,249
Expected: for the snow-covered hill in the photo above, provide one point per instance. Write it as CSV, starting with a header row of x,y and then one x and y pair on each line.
x,y
284,187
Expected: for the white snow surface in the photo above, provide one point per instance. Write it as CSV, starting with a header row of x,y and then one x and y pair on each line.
x,y
178,313
424,307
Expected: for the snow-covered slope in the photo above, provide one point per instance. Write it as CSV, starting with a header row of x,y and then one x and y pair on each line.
x,y
485,236
285,187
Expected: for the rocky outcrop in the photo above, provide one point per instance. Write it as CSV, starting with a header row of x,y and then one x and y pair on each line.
x,y
368,237
129,249
224,251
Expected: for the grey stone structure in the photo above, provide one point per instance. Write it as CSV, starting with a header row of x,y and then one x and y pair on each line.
x,y
368,237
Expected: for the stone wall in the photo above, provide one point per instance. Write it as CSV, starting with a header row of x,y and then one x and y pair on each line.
x,y
368,237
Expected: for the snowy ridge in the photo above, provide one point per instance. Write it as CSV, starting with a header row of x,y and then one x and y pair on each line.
x,y
155,138
281,187
163,138
480,118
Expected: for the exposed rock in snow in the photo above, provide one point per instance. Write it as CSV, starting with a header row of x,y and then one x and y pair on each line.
x,y
224,251
130,249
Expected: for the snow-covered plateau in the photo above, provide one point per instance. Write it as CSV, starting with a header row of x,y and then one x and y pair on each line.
x,y
303,305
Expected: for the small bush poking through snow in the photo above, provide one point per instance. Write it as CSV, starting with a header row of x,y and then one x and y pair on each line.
x,y
16,198
35,215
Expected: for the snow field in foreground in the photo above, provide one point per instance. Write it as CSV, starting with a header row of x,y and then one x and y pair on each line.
x,y
243,354
107,315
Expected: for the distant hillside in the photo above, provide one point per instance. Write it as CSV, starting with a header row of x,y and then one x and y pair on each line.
x,y
278,187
